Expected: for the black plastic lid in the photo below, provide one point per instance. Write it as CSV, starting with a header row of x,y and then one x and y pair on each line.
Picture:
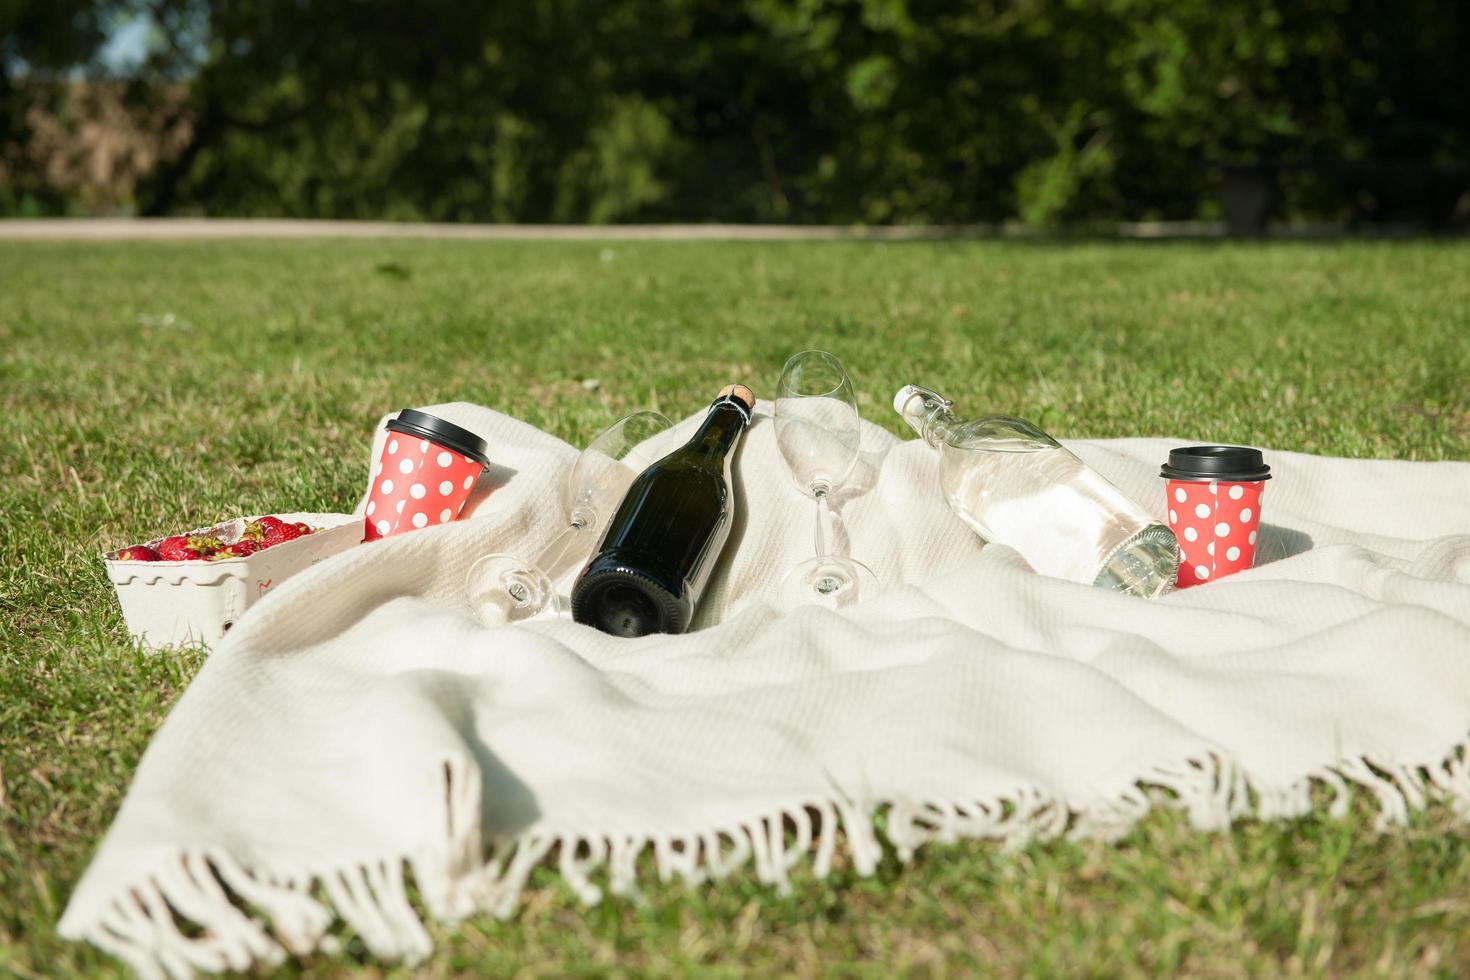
x,y
441,433
1230,464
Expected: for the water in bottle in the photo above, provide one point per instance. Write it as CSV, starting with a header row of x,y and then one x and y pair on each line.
x,y
1017,486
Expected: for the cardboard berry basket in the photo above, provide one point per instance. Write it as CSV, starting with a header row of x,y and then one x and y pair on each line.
x,y
174,603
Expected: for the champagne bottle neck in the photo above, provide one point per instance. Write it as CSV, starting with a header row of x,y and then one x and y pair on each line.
x,y
722,427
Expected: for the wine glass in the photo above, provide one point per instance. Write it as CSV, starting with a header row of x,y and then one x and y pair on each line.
x,y
503,588
817,431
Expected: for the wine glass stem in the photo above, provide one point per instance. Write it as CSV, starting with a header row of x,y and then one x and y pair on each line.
x,y
825,530
559,547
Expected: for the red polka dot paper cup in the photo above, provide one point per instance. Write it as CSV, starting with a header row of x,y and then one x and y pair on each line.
x,y
1214,500
424,476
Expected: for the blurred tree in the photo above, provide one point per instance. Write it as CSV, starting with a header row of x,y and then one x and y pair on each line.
x,y
441,110
39,40
761,110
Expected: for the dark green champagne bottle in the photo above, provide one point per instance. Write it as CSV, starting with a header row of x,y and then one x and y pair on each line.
x,y
656,555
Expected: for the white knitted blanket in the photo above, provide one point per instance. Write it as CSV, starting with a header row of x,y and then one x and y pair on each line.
x,y
359,723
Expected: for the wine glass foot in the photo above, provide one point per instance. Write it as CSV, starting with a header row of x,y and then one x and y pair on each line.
x,y
505,589
833,582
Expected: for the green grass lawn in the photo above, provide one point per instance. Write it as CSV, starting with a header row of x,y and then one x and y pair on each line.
x,y
152,388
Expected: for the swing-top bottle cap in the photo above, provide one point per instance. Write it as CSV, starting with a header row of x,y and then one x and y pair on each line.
x,y
915,403
740,393
905,395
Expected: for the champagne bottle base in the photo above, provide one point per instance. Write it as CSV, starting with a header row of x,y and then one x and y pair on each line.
x,y
622,602
1146,565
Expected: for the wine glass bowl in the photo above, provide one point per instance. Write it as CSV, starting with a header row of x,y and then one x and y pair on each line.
x,y
817,426
602,474
507,588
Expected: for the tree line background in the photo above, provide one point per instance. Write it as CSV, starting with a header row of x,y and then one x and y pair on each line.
x,y
871,111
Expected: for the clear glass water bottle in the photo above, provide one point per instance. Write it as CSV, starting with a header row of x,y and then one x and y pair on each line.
x,y
1016,485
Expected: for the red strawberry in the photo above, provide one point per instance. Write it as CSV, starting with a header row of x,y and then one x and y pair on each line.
x,y
175,548
240,549
138,552
280,534
182,547
256,529
303,527
271,530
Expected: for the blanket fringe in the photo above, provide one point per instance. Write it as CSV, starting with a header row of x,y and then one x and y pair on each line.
x,y
202,910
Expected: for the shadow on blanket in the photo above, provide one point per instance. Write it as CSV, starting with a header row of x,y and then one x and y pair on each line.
x,y
1280,542
507,805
